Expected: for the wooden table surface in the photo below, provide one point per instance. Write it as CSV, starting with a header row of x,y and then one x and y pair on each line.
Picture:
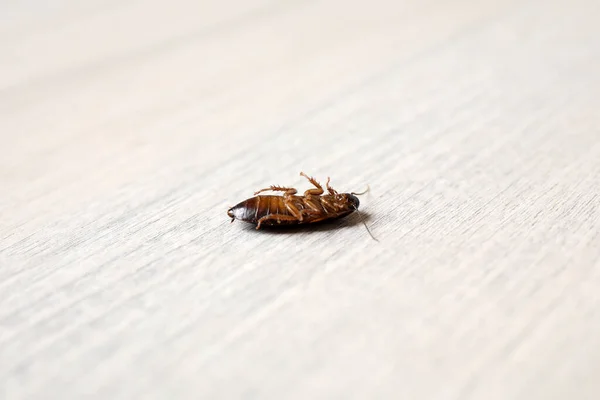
x,y
127,129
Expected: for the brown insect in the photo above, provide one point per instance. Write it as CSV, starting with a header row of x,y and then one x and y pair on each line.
x,y
290,209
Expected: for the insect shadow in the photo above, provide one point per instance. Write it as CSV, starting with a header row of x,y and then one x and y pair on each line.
x,y
322,226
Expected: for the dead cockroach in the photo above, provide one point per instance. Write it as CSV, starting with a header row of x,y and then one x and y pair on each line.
x,y
289,209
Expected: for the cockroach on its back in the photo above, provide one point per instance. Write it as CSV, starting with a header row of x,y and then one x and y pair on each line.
x,y
290,209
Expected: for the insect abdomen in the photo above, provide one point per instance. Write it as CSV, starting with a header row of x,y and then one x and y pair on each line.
x,y
255,208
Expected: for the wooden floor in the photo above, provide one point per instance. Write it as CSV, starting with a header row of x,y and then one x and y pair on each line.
x,y
128,128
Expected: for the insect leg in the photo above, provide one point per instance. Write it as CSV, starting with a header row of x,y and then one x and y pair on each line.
x,y
289,204
311,203
328,204
330,189
312,192
275,188
275,217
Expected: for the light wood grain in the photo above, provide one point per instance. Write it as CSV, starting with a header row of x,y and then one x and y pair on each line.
x,y
129,127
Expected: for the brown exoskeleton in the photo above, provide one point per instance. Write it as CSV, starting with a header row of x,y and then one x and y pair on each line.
x,y
290,209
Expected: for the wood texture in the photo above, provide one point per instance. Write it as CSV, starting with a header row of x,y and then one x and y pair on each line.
x,y
128,128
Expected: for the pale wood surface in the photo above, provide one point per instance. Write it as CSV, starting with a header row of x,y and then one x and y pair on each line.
x,y
128,127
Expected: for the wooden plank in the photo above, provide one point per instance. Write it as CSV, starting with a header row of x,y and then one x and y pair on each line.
x,y
128,129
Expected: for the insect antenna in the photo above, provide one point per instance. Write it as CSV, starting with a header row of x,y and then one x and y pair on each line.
x,y
362,218
363,192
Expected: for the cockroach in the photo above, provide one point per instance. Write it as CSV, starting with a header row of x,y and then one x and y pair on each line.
x,y
290,209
